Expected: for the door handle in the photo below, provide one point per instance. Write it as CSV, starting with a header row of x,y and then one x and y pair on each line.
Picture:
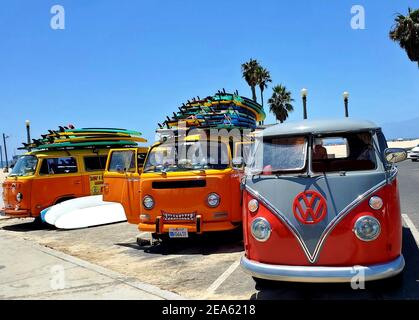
x,y
77,182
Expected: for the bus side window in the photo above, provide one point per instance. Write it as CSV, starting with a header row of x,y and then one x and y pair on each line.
x,y
140,160
94,163
44,167
58,165
382,142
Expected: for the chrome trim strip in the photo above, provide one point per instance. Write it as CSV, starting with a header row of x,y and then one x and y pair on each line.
x,y
321,273
392,174
313,257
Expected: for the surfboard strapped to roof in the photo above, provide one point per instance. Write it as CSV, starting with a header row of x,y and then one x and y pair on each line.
x,y
69,137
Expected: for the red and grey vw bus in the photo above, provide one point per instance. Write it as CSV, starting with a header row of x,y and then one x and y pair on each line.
x,y
321,203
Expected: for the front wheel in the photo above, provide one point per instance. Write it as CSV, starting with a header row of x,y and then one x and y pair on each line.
x,y
414,160
263,282
393,282
38,221
160,236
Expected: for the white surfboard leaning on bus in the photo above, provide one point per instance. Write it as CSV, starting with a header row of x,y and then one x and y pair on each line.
x,y
111,212
51,214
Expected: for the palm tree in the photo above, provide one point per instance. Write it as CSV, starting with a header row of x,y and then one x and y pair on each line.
x,y
406,33
280,103
263,77
250,74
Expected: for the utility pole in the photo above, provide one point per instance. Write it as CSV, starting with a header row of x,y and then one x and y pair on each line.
x,y
1,157
5,152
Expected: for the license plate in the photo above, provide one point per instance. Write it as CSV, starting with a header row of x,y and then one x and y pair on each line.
x,y
178,232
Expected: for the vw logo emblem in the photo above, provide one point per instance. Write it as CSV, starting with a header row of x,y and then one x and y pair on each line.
x,y
309,207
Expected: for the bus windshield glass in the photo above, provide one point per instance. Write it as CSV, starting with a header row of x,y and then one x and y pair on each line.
x,y
188,155
25,166
279,154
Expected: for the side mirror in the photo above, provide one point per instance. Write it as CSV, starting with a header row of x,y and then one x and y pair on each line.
x,y
394,155
238,162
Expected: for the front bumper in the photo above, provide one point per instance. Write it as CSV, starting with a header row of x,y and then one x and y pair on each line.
x,y
160,227
322,274
21,213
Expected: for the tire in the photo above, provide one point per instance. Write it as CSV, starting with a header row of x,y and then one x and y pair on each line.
x,y
394,282
38,221
160,237
63,199
414,160
263,282
143,242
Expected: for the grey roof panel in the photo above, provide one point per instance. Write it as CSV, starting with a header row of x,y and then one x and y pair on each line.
x,y
318,126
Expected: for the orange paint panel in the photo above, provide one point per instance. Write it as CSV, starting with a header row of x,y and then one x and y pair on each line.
x,y
180,200
124,189
50,190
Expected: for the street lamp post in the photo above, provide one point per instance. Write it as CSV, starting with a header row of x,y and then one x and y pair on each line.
x,y
28,132
345,100
1,158
304,96
5,152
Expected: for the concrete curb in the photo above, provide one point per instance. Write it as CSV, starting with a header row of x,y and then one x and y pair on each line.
x,y
148,288
3,217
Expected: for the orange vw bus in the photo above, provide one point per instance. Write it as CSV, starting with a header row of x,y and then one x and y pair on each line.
x,y
43,178
191,185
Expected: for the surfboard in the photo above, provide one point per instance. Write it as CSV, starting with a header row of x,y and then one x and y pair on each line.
x,y
43,213
51,214
110,212
57,135
98,138
104,130
86,144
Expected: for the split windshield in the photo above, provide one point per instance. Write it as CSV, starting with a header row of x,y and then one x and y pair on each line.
x,y
25,166
351,151
188,155
280,154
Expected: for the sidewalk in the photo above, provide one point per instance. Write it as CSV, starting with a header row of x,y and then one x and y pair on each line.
x,y
2,177
30,271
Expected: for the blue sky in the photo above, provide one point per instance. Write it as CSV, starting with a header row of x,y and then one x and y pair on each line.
x,y
129,63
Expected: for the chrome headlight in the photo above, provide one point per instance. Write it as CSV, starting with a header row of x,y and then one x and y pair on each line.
x,y
376,203
213,200
148,202
19,197
253,205
261,229
367,228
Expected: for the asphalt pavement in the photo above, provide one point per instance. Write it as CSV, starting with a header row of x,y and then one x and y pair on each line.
x,y
106,262
409,189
